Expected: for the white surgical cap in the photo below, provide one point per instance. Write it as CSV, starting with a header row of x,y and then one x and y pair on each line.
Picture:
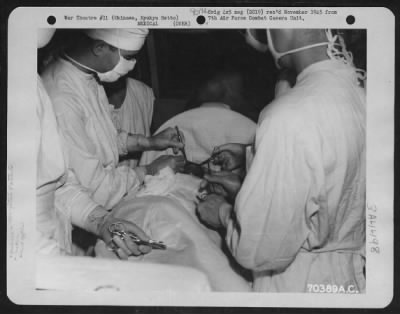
x,y
122,38
44,36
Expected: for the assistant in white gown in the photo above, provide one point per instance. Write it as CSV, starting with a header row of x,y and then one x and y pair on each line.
x,y
54,226
300,214
91,141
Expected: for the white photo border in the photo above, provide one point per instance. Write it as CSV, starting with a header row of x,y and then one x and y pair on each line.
x,y
21,156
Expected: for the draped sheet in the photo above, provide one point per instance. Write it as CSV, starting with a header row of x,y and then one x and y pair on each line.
x,y
165,207
165,210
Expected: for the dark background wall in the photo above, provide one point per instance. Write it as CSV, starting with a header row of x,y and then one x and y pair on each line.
x,y
177,64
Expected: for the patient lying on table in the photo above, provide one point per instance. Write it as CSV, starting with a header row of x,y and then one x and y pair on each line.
x,y
165,209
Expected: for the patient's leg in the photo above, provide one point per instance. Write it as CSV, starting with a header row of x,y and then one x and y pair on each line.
x,y
187,243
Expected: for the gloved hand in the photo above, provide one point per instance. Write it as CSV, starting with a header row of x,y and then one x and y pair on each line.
x,y
214,211
176,163
230,156
123,247
168,138
227,183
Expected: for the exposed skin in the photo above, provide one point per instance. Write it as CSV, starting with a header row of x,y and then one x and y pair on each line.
x,y
98,55
288,39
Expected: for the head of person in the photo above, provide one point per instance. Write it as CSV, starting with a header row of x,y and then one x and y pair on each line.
x,y
224,89
289,46
110,51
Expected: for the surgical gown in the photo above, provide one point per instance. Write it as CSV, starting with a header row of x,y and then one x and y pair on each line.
x,y
54,225
135,114
300,215
91,141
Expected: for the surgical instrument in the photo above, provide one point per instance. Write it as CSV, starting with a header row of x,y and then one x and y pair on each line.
x,y
117,229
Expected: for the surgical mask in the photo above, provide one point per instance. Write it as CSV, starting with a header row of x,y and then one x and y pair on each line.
x,y
278,55
254,42
122,68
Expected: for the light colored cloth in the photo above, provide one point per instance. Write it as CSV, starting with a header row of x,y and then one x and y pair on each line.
x,y
164,218
66,273
215,105
181,187
135,114
122,38
91,141
53,226
301,210
204,128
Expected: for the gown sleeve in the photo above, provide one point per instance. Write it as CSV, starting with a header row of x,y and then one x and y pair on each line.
x,y
143,111
150,105
278,205
74,201
106,183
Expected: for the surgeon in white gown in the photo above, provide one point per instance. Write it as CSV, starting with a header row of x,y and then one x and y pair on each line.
x,y
61,200
298,218
93,145
55,270
92,142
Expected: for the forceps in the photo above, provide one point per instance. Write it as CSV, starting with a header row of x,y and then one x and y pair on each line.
x,y
118,229
181,140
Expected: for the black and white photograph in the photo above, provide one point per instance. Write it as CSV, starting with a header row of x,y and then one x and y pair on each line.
x,y
200,159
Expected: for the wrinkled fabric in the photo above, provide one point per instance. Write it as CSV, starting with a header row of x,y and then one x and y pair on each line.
x,y
204,128
181,187
135,114
165,219
89,136
300,214
53,226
